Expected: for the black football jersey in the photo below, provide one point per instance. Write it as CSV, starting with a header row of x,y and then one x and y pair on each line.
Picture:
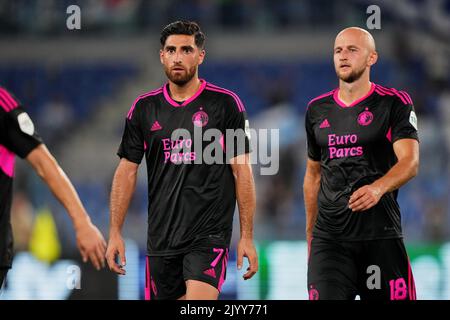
x,y
190,198
354,145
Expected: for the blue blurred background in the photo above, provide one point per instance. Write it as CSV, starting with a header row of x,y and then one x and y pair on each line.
x,y
277,55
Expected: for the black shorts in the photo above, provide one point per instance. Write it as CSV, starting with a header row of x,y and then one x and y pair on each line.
x,y
375,270
165,276
3,272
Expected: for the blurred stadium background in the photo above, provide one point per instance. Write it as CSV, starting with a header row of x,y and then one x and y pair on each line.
x,y
277,55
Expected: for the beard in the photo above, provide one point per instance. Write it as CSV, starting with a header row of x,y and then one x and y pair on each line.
x,y
180,78
352,76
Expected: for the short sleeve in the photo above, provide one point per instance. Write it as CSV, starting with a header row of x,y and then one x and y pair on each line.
x,y
403,122
132,144
314,152
237,136
21,136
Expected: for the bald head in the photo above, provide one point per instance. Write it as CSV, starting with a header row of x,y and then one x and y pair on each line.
x,y
357,35
354,54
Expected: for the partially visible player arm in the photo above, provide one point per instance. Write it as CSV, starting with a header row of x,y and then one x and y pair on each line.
x,y
246,198
89,239
311,186
123,186
407,152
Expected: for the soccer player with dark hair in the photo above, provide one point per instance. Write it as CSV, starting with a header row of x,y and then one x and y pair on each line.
x,y
18,136
362,147
191,202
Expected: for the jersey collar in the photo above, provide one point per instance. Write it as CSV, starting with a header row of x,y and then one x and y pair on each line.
x,y
186,102
354,103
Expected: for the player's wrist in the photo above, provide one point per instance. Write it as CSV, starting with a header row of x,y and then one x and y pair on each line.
x,y
380,188
247,237
115,232
81,221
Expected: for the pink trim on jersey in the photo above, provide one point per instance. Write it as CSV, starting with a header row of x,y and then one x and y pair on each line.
x,y
185,103
321,96
7,159
385,90
354,103
238,101
411,283
222,143
151,93
4,103
5,106
200,90
147,279
391,92
222,274
9,103
383,93
169,99
408,97
389,135
400,96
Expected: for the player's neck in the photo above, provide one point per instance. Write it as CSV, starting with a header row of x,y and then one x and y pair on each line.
x,y
182,93
350,92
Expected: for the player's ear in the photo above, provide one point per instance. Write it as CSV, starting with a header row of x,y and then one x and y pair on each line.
x,y
373,58
201,56
161,55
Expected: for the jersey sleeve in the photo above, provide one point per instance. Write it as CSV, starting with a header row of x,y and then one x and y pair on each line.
x,y
403,119
132,144
314,152
20,136
237,135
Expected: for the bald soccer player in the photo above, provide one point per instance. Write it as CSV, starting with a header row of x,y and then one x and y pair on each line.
x,y
362,147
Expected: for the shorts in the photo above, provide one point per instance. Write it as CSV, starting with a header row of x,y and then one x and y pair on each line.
x,y
165,276
372,269
3,272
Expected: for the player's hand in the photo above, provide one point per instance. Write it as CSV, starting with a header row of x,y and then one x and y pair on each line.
x,y
91,244
364,198
116,246
246,248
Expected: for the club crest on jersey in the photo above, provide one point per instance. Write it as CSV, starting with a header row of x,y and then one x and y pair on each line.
x,y
313,294
200,118
365,118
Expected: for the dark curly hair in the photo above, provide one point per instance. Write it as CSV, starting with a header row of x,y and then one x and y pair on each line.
x,y
190,28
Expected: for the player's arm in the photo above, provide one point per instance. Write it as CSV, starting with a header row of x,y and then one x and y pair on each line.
x,y
311,181
246,198
407,167
123,186
89,239
311,186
